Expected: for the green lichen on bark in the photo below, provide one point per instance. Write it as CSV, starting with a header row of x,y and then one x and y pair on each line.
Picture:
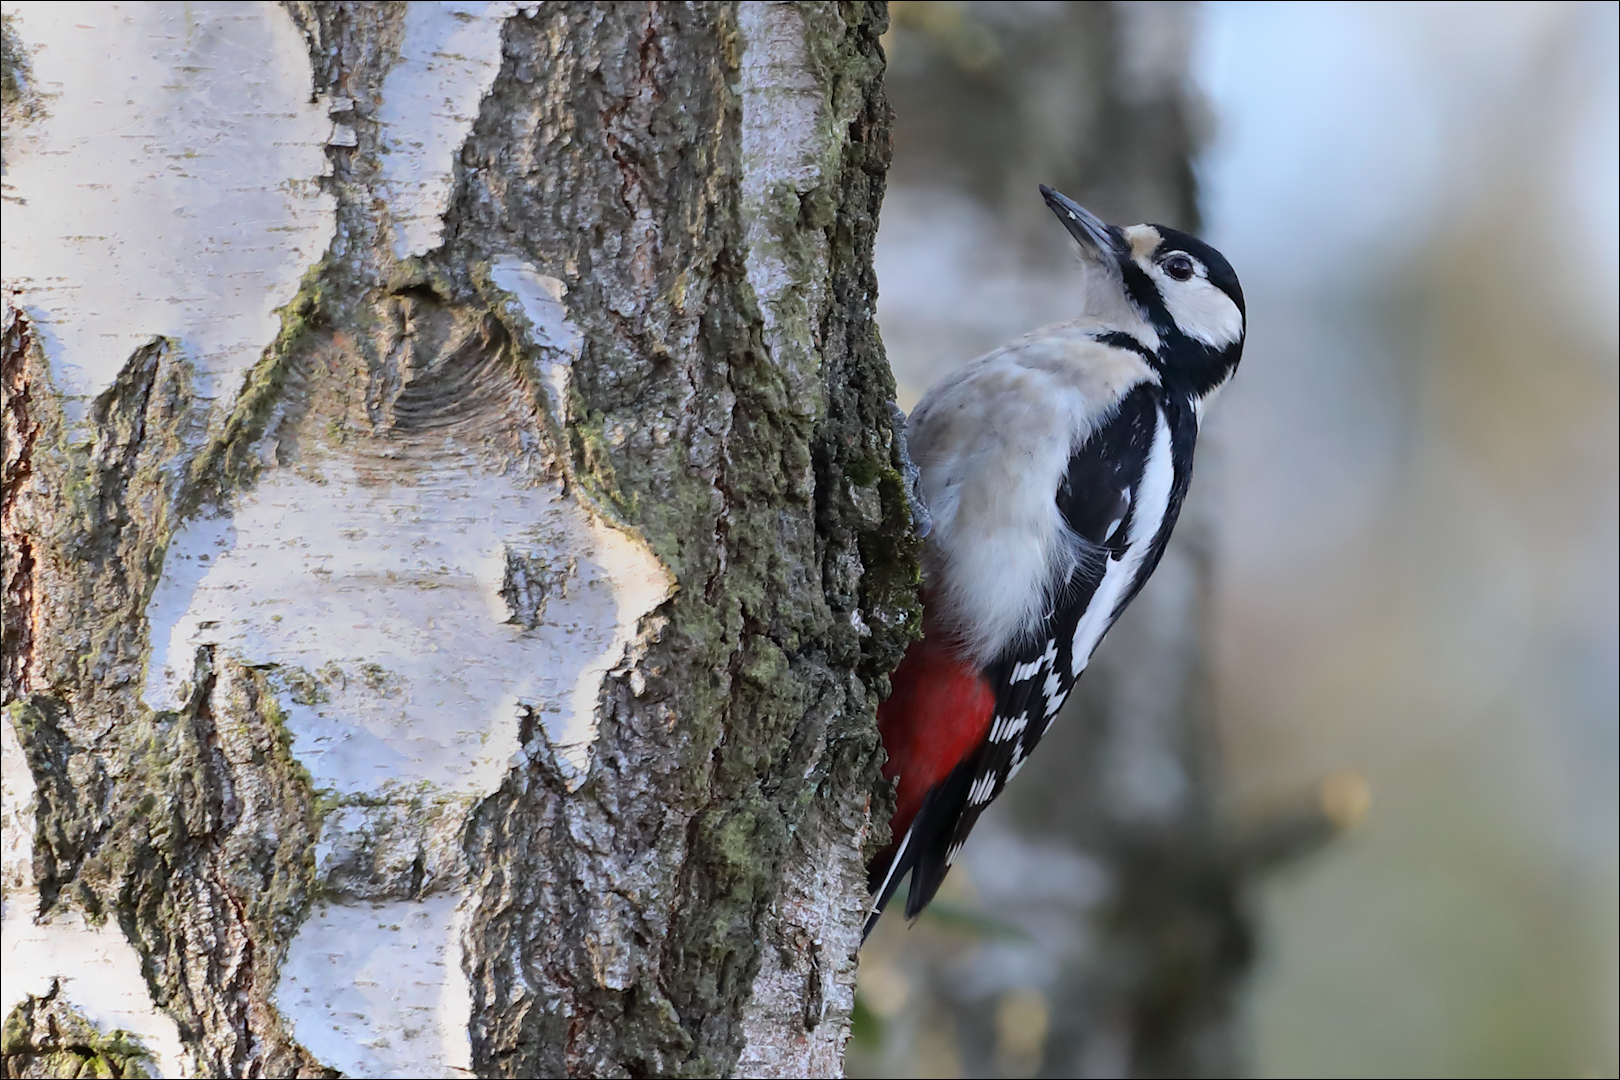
x,y
212,852
47,1037
194,829
856,440
199,841
627,110
103,509
20,100
14,67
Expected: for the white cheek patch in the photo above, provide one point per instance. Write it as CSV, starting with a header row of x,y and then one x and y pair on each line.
x,y
1201,311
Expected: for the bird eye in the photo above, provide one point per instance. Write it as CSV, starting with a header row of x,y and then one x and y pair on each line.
x,y
1179,267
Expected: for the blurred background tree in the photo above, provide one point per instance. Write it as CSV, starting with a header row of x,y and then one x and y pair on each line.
x,y
1397,573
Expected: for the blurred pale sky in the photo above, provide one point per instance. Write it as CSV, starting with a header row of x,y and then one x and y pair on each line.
x,y
1417,473
1345,130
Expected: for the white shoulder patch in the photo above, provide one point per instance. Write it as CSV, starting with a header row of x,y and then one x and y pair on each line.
x,y
1152,503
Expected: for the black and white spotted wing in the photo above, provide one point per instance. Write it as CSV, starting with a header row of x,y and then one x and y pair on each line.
x,y
1100,500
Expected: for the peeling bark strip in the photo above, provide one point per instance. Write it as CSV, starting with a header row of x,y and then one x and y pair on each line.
x,y
459,650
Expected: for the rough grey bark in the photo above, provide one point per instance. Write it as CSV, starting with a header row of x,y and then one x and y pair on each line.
x,y
692,905
1123,927
622,927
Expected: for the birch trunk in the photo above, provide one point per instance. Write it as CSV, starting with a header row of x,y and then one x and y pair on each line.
x,y
454,536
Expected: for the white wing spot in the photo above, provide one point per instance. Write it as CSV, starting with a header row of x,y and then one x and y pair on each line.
x,y
982,789
950,856
1033,668
1007,727
1053,687
1017,764
1053,704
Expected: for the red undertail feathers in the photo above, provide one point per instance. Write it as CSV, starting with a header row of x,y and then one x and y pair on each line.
x,y
934,720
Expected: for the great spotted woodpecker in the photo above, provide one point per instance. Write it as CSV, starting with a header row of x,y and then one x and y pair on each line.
x,y
1053,470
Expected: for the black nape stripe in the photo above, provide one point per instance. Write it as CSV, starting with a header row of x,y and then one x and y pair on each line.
x,y
1121,340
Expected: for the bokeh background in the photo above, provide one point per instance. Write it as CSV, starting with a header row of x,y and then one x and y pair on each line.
x,y
1409,496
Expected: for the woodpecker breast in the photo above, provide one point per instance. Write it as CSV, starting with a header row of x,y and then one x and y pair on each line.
x,y
993,443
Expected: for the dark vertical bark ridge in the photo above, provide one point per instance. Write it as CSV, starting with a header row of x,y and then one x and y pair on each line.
x,y
608,154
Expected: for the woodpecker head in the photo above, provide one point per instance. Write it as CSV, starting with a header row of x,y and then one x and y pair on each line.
x,y
1172,292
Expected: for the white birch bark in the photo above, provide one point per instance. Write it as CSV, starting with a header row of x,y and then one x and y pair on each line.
x,y
454,541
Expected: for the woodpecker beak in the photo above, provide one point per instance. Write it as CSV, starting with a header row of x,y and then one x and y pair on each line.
x,y
1096,239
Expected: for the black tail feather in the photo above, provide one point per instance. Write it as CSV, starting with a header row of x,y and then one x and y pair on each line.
x,y
924,852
